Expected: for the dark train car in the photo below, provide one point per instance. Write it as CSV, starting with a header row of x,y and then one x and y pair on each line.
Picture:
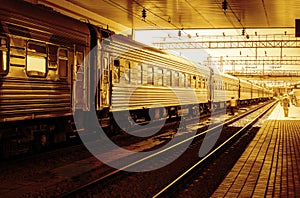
x,y
40,53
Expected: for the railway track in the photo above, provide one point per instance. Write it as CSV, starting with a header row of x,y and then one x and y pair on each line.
x,y
35,165
170,189
98,186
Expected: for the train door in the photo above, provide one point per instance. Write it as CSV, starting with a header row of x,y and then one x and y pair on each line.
x,y
105,81
80,80
99,80
103,77
114,65
103,96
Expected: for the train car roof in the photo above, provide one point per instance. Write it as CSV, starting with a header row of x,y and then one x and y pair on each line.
x,y
229,76
245,81
255,85
24,15
190,66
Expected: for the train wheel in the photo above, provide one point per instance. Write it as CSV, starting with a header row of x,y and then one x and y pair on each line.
x,y
195,111
41,141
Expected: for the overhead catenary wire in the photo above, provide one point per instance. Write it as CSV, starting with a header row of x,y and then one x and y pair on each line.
x,y
198,12
158,16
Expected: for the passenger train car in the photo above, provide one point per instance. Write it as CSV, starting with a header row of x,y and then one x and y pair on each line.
x,y
40,51
50,65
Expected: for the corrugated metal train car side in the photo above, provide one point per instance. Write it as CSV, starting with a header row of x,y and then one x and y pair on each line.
x,y
42,50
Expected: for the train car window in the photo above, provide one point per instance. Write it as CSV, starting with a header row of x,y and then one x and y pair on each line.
x,y
36,59
193,81
63,63
199,82
183,80
150,76
121,71
117,63
168,78
105,70
105,63
127,72
79,66
3,55
116,70
52,53
145,72
176,79
160,77
188,80
139,75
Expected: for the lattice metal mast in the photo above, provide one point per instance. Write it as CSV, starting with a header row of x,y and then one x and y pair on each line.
x,y
224,42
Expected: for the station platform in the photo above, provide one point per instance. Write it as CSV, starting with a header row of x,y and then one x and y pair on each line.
x,y
270,165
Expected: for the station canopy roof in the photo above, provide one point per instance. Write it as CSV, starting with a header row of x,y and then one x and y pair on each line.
x,y
263,20
177,14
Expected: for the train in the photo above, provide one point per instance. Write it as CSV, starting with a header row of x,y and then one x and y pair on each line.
x,y
52,65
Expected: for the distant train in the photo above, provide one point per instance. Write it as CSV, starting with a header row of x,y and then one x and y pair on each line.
x,y
49,64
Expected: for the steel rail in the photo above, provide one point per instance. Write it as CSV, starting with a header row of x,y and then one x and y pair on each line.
x,y
170,187
115,172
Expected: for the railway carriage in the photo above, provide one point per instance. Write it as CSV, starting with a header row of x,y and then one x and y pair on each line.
x,y
40,50
257,92
144,78
245,92
225,87
260,93
268,94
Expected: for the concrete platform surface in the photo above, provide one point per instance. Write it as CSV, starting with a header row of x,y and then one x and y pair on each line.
x,y
270,165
